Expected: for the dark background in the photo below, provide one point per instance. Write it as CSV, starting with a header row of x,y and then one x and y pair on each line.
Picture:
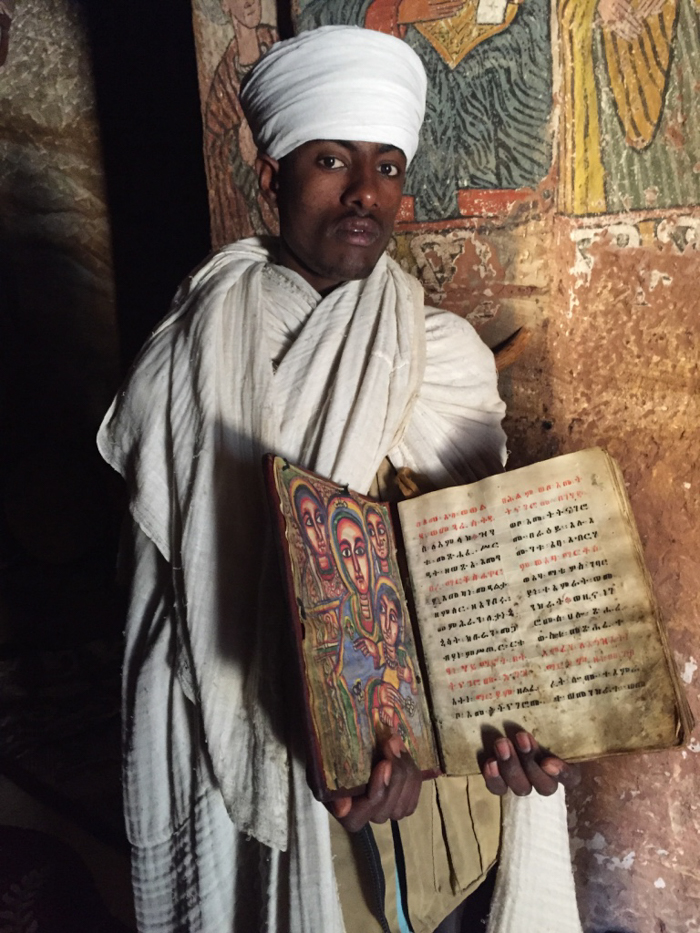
x,y
61,507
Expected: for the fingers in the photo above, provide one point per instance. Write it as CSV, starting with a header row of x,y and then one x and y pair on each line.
x,y
340,807
518,769
522,767
399,795
567,774
445,10
392,793
492,776
619,17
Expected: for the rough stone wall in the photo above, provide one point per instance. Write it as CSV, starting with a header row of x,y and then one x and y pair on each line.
x,y
599,261
59,340
615,364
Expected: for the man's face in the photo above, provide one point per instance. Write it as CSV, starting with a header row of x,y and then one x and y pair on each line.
x,y
337,203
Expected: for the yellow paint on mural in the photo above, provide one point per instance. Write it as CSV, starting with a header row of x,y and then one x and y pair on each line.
x,y
639,68
456,36
581,178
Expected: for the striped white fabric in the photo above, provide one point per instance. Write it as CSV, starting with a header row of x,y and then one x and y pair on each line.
x,y
226,833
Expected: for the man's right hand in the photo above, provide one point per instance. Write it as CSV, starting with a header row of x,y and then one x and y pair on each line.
x,y
392,792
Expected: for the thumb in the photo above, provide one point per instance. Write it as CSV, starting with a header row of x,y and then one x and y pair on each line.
x,y
340,807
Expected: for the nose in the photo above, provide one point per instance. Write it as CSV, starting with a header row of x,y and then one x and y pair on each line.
x,y
355,563
363,188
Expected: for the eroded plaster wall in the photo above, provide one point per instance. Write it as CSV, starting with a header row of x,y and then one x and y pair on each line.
x,y
616,365
59,335
595,256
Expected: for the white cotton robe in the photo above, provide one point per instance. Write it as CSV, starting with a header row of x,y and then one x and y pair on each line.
x,y
225,832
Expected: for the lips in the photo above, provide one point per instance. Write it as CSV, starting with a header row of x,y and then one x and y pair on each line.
x,y
359,231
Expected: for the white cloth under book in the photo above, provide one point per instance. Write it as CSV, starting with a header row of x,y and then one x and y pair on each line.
x,y
535,883
226,833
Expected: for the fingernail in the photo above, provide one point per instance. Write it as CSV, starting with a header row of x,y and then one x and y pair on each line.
x,y
387,773
524,743
552,768
342,807
492,768
503,749
396,745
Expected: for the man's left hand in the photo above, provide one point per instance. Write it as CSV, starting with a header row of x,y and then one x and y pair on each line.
x,y
522,766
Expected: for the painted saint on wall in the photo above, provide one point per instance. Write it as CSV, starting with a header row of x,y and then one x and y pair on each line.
x,y
630,135
489,66
236,207
629,131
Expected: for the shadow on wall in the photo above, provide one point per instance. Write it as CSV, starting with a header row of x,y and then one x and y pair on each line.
x,y
63,349
59,342
144,69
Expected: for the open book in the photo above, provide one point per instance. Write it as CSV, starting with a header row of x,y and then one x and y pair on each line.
x,y
526,601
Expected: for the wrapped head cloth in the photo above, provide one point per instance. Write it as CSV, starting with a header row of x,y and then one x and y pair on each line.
x,y
337,82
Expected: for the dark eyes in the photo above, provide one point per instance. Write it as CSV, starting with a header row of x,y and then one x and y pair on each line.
x,y
333,163
330,162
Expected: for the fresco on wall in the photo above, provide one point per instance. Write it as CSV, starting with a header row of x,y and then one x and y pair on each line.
x,y
630,134
487,126
237,210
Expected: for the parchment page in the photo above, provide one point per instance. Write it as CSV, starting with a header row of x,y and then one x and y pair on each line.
x,y
533,606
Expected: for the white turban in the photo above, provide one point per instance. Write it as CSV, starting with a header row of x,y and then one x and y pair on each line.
x,y
337,82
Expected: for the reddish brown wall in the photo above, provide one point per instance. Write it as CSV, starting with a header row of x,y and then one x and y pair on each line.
x,y
619,357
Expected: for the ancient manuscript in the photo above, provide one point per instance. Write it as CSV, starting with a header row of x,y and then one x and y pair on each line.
x,y
529,605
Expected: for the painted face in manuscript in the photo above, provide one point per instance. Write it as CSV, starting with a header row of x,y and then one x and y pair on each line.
x,y
377,534
352,546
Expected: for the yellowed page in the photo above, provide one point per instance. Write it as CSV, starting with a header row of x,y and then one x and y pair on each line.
x,y
534,608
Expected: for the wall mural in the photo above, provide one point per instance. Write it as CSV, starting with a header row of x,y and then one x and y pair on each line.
x,y
630,133
237,209
489,66
629,116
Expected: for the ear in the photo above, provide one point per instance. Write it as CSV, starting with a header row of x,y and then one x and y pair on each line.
x,y
267,170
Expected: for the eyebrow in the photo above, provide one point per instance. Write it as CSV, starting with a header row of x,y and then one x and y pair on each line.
x,y
352,146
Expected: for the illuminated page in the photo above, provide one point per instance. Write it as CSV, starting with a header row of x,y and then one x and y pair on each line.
x,y
360,671
534,607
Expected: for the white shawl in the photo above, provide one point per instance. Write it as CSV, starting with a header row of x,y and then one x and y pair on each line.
x,y
188,432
